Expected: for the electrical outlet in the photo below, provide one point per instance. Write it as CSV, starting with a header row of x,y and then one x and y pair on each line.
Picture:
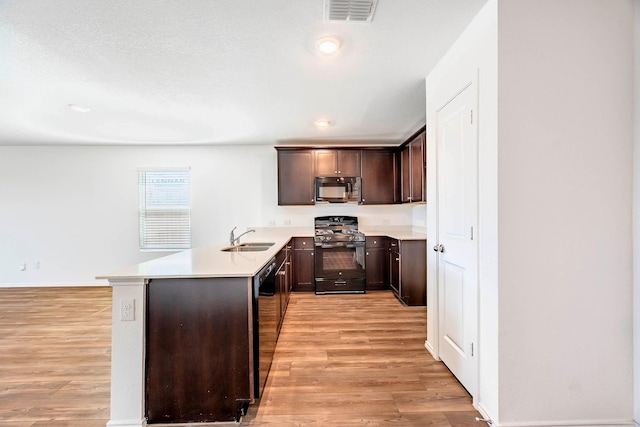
x,y
35,265
127,310
287,222
272,222
385,222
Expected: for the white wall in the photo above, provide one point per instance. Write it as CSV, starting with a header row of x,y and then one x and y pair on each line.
x,y
636,216
74,209
564,177
474,52
555,164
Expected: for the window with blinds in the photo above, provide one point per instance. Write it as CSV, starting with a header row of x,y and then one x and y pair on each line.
x,y
164,208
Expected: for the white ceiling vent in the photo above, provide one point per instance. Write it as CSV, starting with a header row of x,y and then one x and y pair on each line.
x,y
349,10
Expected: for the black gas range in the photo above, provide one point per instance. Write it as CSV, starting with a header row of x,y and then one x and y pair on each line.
x,y
340,255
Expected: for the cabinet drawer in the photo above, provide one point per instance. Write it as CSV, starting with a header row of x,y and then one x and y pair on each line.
x,y
339,286
303,243
375,241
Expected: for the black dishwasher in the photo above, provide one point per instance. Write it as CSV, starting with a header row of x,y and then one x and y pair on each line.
x,y
265,322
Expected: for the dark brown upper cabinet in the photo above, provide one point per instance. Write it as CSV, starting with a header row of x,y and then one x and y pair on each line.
x,y
295,177
338,162
379,177
413,169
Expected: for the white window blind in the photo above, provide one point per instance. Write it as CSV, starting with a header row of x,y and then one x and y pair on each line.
x,y
164,208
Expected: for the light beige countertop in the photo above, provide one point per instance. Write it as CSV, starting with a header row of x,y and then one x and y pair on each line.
x,y
210,261
397,232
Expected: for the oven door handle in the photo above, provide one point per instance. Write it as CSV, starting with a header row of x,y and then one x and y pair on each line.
x,y
339,245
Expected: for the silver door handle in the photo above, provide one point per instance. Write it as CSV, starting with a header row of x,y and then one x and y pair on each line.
x,y
438,248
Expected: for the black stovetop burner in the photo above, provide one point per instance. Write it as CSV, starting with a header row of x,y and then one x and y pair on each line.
x,y
337,229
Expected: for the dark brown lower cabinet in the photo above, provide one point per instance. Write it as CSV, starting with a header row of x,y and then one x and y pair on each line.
x,y
408,270
197,350
375,263
304,264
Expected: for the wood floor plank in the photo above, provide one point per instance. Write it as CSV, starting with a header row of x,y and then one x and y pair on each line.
x,y
347,360
376,371
55,356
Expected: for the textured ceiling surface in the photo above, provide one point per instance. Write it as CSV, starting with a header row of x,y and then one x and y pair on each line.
x,y
216,71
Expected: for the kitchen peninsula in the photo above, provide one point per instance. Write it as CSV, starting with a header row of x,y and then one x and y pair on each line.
x,y
184,330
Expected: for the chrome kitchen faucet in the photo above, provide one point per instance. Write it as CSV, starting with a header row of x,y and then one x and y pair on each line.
x,y
236,240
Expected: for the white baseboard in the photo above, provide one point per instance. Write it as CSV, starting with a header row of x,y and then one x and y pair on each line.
x,y
55,284
581,423
428,346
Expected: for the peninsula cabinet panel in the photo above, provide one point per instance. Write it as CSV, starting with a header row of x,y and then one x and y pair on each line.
x,y
197,350
379,185
295,177
337,162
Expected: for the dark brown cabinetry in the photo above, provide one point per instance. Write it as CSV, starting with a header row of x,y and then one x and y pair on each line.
x,y
412,165
197,350
304,261
389,175
296,177
375,263
283,282
343,162
379,177
408,270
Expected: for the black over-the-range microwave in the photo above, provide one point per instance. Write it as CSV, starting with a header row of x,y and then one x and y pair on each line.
x,y
338,189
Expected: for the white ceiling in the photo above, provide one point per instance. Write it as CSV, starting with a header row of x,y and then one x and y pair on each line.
x,y
216,71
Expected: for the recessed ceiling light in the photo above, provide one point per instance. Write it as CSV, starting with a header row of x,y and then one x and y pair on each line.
x,y
79,108
322,123
328,45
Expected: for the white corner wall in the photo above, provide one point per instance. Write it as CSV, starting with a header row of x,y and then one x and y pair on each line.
x,y
636,218
74,209
565,200
555,303
474,51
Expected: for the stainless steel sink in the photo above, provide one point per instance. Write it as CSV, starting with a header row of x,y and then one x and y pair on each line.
x,y
249,247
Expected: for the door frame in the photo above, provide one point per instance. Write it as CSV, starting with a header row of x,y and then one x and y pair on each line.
x,y
443,93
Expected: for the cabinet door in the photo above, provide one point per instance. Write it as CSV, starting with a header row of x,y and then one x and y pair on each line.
x,y
417,168
295,177
280,289
379,185
326,163
304,267
394,272
376,269
348,162
405,166
337,162
413,271
412,166
376,262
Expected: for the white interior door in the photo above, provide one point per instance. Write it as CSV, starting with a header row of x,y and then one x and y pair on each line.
x,y
457,173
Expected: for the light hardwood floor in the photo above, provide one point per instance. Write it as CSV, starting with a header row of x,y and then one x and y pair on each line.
x,y
340,361
55,356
